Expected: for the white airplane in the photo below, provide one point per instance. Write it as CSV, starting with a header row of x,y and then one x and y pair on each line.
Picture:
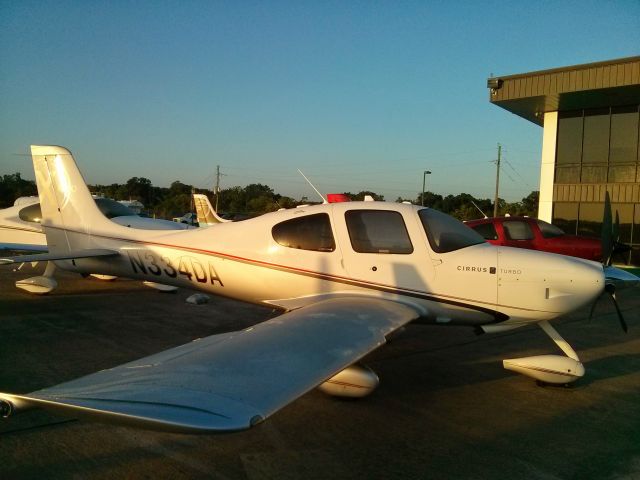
x,y
346,276
207,216
21,230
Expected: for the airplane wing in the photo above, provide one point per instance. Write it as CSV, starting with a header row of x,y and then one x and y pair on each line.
x,y
44,257
232,381
23,247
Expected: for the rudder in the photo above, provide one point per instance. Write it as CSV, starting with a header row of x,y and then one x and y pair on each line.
x,y
67,206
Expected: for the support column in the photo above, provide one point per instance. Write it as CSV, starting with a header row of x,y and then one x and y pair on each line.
x,y
547,166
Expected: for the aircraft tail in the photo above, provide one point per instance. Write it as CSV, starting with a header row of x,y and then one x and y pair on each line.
x,y
206,214
69,213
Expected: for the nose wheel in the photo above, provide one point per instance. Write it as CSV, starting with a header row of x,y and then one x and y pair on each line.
x,y
549,369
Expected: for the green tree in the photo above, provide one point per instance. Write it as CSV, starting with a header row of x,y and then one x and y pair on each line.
x,y
359,197
13,186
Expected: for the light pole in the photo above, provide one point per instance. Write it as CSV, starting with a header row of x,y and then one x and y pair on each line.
x,y
424,180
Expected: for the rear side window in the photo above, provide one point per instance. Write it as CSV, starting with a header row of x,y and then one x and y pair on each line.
x,y
487,230
32,213
378,231
312,232
517,230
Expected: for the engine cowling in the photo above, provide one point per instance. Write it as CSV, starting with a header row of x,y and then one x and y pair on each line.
x,y
354,381
555,369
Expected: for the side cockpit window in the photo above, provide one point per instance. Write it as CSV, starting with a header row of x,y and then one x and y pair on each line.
x,y
32,213
312,232
378,231
445,233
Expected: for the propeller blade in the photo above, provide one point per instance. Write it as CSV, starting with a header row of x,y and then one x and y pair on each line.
x,y
607,231
615,237
593,307
611,290
623,324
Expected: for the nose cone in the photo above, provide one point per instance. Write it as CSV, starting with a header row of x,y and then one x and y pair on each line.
x,y
547,285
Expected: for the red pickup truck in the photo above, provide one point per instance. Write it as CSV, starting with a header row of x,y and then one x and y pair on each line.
x,y
526,232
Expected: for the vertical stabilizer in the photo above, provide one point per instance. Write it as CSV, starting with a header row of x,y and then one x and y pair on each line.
x,y
69,213
206,214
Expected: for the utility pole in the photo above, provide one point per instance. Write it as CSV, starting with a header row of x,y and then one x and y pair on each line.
x,y
424,180
217,190
495,199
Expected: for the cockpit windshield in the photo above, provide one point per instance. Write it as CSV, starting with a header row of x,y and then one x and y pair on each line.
x,y
445,233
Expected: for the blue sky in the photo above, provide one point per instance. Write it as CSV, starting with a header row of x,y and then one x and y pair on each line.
x,y
358,95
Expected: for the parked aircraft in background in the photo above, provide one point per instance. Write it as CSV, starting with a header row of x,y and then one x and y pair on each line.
x,y
346,275
21,230
207,216
190,219
18,232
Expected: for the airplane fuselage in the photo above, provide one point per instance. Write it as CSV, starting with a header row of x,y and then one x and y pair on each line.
x,y
255,261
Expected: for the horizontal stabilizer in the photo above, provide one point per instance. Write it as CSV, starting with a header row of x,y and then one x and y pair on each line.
x,y
45,257
231,381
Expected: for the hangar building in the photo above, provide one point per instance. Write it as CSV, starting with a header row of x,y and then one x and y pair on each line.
x,y
590,118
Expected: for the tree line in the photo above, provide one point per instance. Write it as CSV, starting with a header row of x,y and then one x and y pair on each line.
x,y
256,199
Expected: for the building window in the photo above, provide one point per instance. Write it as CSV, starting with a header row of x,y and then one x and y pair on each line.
x,y
622,174
624,135
565,216
593,174
595,141
599,147
569,174
634,254
590,219
378,231
569,138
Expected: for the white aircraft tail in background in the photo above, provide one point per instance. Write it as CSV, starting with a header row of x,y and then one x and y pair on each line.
x,y
207,216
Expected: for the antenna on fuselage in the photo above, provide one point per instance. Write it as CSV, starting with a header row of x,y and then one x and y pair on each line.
x,y
483,214
324,200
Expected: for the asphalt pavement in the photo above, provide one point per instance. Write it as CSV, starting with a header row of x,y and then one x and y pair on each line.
x,y
445,408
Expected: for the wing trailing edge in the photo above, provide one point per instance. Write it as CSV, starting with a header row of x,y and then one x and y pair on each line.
x,y
45,257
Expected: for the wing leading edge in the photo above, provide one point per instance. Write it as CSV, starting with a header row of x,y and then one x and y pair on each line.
x,y
232,381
